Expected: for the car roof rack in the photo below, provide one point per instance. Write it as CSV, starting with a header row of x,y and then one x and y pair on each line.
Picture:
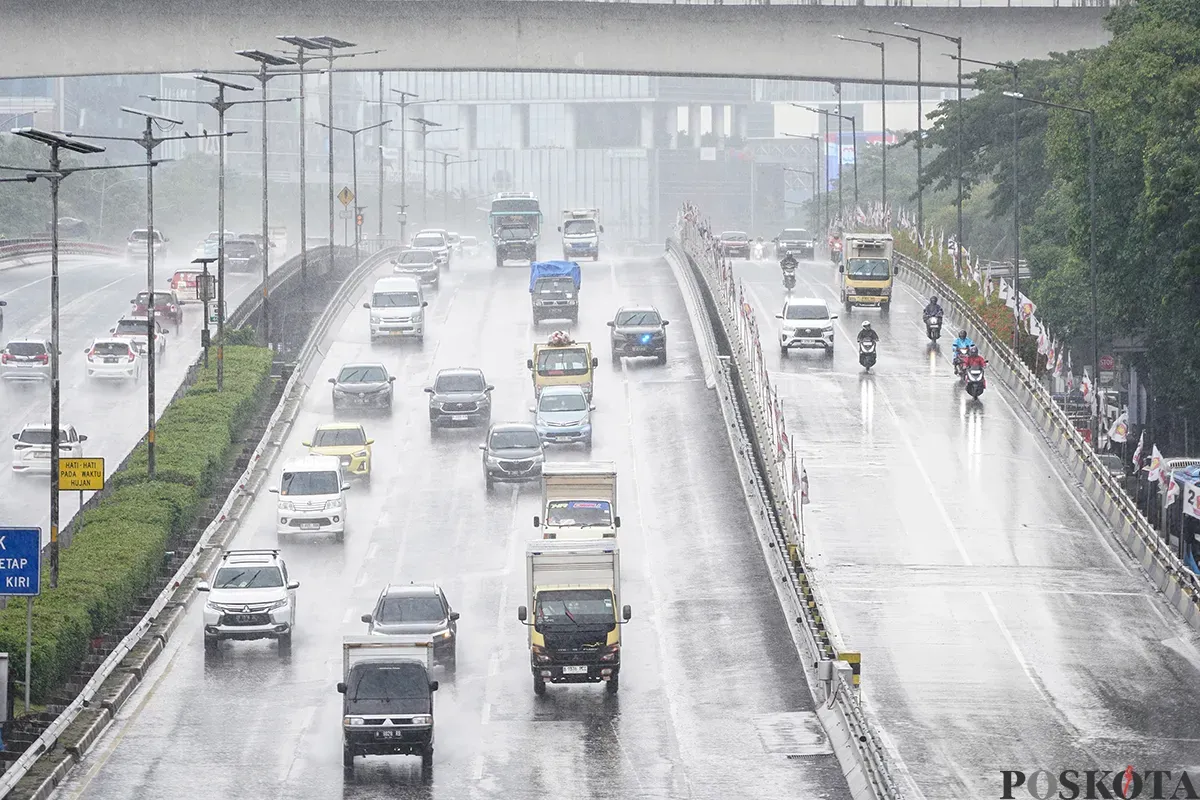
x,y
228,553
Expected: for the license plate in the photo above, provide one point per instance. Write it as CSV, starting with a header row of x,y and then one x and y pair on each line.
x,y
459,418
309,526
575,670
387,734
110,361
245,618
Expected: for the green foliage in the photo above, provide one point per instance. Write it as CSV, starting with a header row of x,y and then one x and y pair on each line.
x,y
241,336
116,555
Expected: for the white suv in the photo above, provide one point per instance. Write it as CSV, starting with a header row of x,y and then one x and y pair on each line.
x,y
31,453
435,239
312,497
250,597
805,322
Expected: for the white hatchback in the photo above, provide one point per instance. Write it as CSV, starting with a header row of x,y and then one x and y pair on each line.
x,y
113,358
31,453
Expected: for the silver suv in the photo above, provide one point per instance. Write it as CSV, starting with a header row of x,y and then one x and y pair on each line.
x,y
419,609
250,597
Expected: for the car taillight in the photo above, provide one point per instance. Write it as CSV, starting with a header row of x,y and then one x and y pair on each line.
x,y
4,358
44,358
92,354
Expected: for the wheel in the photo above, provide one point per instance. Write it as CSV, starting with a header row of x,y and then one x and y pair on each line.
x,y
662,357
340,536
367,477
488,483
427,758
285,641
846,303
885,307
347,757
539,685
597,256
452,662
211,644
829,352
499,261
616,358
783,352
614,684
433,426
587,444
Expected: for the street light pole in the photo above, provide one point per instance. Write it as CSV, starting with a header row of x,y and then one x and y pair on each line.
x,y
813,175
841,201
446,163
1091,117
354,132
883,123
920,126
266,60
425,126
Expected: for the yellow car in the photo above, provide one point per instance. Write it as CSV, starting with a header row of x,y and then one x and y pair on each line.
x,y
348,441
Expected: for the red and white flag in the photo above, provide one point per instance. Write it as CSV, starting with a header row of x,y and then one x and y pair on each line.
x,y
1137,454
1154,470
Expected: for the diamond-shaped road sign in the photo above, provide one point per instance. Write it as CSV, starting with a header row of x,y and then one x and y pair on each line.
x,y
346,196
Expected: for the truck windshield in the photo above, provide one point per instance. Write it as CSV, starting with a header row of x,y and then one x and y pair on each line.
x,y
515,234
562,361
554,285
573,607
387,688
869,268
579,513
579,227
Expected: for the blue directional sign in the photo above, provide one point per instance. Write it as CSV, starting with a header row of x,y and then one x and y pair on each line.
x,y
20,561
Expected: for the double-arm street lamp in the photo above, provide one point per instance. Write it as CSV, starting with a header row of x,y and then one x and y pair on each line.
x,y
1091,118
957,41
853,145
883,110
1016,273
354,132
820,145
55,175
266,61
446,163
426,124
406,99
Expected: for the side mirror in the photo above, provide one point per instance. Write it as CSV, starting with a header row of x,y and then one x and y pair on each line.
x,y
560,228
595,362
841,269
532,410
391,378
165,331
454,615
341,687
306,444
203,586
293,585
428,390
366,305
896,271
666,322
602,229
345,487
112,330
616,522
423,304
483,447
626,613
537,521
16,436
612,323
87,350
433,686
833,316
83,437
366,618
273,490
779,316
370,441
522,613
490,388
591,408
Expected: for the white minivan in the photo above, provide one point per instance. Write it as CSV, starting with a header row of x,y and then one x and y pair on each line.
x,y
397,308
312,497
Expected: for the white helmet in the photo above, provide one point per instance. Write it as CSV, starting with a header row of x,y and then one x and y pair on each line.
x,y
866,325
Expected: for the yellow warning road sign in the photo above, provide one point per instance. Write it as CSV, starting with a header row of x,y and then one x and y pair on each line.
x,y
81,474
346,196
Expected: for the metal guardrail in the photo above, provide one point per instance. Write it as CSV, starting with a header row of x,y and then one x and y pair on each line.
x,y
1167,559
736,374
11,249
44,743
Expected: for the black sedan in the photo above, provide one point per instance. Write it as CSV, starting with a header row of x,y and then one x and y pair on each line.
x,y
362,386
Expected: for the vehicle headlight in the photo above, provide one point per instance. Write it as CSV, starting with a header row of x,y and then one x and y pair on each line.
x,y
213,608
353,721
492,460
286,505
335,503
278,604
539,457
422,719
362,454
376,318
443,634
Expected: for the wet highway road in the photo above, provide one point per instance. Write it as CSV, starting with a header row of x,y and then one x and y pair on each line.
x,y
712,700
1001,626
93,294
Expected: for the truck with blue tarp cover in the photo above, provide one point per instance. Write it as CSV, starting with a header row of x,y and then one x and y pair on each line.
x,y
516,222
554,290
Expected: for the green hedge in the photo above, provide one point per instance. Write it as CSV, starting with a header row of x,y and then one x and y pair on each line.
x,y
119,551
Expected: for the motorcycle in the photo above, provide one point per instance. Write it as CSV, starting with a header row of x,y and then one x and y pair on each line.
x,y
835,253
757,253
933,327
974,381
789,278
866,353
960,356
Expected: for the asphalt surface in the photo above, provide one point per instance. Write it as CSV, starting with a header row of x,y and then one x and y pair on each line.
x,y
713,702
1001,625
93,294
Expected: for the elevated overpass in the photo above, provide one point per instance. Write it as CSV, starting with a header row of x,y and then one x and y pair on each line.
x,y
791,42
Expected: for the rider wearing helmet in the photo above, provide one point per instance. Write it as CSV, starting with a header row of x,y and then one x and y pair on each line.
x,y
934,309
963,341
868,332
974,359
788,262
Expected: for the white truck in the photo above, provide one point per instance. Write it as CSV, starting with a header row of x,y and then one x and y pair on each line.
x,y
579,500
387,697
573,593
581,231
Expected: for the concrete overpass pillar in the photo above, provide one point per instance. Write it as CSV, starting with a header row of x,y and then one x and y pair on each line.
x,y
694,124
467,120
649,118
572,119
666,119
741,127
520,132
718,122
